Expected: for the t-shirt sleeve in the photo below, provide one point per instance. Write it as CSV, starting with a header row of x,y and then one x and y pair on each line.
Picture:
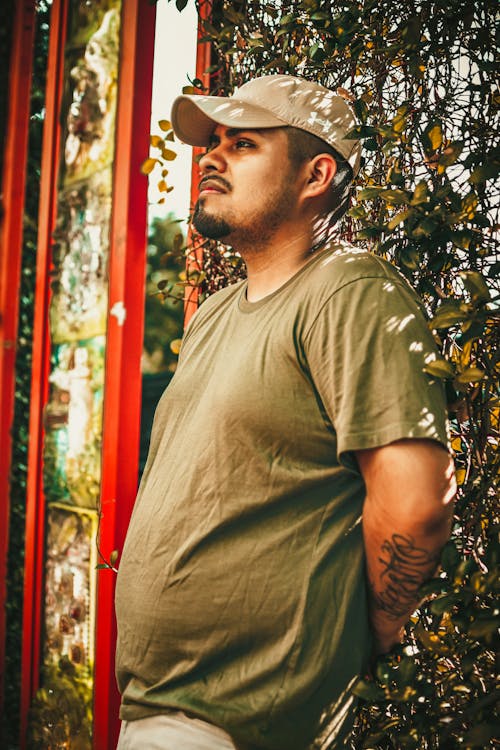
x,y
366,351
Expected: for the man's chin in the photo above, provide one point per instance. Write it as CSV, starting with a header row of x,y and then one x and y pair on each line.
x,y
210,226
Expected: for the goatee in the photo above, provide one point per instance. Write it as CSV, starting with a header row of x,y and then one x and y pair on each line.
x,y
208,225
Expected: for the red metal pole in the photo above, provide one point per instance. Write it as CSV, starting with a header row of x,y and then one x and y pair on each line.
x,y
194,260
35,505
11,240
122,397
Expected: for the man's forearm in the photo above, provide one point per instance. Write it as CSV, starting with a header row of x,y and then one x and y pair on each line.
x,y
397,566
406,521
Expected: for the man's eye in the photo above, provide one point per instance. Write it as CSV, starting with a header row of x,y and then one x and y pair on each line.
x,y
243,144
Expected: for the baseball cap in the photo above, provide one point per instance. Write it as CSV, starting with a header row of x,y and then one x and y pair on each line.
x,y
270,101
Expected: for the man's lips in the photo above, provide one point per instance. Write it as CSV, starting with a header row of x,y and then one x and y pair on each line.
x,y
214,185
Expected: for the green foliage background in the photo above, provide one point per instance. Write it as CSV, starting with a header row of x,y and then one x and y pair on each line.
x,y
420,77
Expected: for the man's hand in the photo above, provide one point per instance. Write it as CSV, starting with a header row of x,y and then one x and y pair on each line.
x,y
410,486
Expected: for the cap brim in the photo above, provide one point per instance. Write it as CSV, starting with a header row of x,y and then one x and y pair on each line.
x,y
194,118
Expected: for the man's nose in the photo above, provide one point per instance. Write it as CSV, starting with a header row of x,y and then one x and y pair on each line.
x,y
212,160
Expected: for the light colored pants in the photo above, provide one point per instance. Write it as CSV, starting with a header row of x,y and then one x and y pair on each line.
x,y
173,731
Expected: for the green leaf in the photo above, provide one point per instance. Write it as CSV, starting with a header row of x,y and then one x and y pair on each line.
x,y
484,172
410,257
451,154
450,557
369,691
476,285
407,671
431,641
369,193
398,218
440,368
397,197
362,131
450,313
470,375
425,227
481,735
443,604
420,194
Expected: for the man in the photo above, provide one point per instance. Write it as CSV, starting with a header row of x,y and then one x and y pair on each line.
x,y
298,490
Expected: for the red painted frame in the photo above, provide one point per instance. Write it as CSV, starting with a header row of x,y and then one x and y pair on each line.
x,y
11,240
35,502
122,395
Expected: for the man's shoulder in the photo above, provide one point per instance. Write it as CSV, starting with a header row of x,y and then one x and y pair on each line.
x,y
348,277
214,303
340,265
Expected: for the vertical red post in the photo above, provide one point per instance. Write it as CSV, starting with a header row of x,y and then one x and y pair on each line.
x,y
195,258
35,506
11,239
122,394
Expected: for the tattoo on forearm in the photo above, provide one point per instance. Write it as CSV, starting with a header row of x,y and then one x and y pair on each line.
x,y
405,568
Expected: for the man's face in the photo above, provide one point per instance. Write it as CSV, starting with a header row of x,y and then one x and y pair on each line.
x,y
247,188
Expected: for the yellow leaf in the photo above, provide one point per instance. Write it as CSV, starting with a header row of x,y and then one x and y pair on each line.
x,y
460,475
398,123
148,165
162,186
165,125
456,444
431,641
175,346
435,136
168,155
465,354
469,204
156,141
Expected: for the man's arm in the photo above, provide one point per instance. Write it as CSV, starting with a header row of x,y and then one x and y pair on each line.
x,y
410,486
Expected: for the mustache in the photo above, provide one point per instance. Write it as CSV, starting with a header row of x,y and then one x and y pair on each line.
x,y
214,178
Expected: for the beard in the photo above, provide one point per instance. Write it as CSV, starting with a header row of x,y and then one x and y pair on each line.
x,y
249,229
208,225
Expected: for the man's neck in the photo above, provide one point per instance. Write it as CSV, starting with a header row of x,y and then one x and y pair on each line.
x,y
272,265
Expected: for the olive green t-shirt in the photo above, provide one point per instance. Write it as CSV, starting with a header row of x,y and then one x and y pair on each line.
x,y
241,591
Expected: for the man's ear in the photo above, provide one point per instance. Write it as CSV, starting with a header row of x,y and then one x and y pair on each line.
x,y
320,171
